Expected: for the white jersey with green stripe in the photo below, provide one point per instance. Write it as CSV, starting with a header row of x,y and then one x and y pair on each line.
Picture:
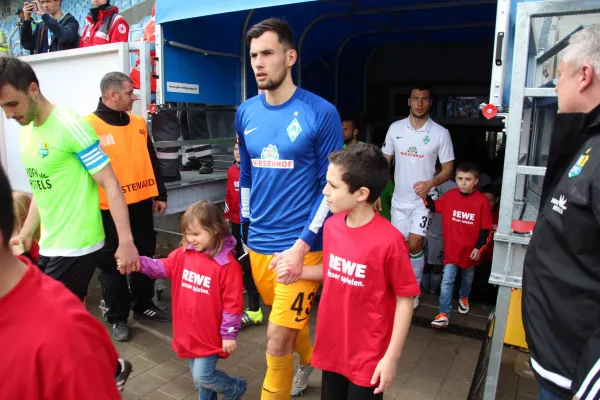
x,y
60,157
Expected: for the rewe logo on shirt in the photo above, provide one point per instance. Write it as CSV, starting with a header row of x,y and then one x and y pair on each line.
x,y
463,217
197,282
346,271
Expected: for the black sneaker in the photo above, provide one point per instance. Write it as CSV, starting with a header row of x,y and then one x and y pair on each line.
x,y
121,332
191,166
205,170
121,378
154,313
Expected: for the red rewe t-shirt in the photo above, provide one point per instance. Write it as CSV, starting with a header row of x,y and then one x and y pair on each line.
x,y
364,269
463,218
53,348
202,290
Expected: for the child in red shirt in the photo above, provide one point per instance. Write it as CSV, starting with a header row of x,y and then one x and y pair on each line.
x,y
54,349
207,298
253,314
366,271
466,225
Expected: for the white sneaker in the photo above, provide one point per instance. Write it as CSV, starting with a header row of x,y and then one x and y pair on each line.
x,y
440,321
300,382
463,305
416,302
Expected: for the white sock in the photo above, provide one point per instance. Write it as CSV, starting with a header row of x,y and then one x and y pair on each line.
x,y
418,264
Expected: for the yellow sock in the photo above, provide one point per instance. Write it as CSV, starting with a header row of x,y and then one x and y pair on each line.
x,y
303,346
278,381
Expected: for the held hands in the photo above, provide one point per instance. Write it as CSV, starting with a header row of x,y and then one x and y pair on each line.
x,y
475,255
16,246
229,346
377,204
282,269
20,241
127,254
422,188
127,270
291,262
385,373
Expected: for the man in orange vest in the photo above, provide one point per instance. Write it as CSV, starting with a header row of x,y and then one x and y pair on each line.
x,y
124,137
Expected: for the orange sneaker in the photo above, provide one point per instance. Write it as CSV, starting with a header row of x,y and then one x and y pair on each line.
x,y
463,305
441,321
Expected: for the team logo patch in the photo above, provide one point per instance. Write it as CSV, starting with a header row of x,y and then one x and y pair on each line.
x,y
559,205
294,129
43,151
122,29
269,158
581,161
413,152
426,140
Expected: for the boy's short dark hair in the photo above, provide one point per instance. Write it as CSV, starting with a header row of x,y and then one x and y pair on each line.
x,y
364,166
421,87
468,167
16,73
7,218
489,188
280,26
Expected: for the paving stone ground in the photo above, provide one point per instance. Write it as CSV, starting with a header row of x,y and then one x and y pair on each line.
x,y
434,364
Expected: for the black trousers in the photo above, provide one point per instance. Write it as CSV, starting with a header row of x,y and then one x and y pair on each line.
x,y
251,291
115,290
74,272
338,387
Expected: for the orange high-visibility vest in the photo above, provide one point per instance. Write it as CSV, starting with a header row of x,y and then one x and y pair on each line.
x,y
127,148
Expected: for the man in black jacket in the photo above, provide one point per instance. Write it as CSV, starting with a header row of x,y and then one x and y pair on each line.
x,y
125,139
561,275
56,31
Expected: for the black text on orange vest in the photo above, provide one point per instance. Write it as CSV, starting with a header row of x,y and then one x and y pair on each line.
x,y
132,187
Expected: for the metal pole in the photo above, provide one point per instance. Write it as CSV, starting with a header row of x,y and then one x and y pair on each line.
x,y
244,56
145,82
202,51
491,379
500,50
160,65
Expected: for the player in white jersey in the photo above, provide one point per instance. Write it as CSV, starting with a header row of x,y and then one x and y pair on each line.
x,y
416,143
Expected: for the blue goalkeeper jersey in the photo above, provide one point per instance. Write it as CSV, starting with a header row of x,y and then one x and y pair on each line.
x,y
284,154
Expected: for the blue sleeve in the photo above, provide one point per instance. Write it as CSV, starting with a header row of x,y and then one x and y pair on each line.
x,y
245,171
67,33
329,139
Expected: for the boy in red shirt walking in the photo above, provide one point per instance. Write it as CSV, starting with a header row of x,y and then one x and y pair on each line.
x,y
466,225
366,271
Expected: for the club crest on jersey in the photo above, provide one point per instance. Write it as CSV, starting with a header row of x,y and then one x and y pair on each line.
x,y
43,151
269,158
581,161
412,152
294,129
426,140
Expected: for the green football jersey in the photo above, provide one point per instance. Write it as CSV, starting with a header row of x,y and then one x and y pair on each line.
x,y
60,157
